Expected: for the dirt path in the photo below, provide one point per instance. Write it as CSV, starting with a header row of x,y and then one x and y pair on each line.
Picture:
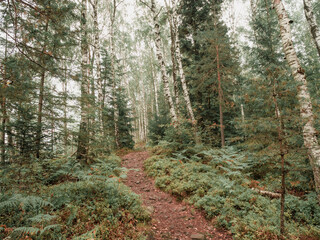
x,y
170,219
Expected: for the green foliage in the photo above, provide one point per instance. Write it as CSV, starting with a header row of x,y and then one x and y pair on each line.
x,y
124,123
201,32
217,181
60,199
157,127
267,81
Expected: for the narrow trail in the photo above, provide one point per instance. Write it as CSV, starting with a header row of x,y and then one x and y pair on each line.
x,y
171,220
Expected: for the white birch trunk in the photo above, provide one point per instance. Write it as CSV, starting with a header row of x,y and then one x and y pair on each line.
x,y
173,57
155,85
180,66
242,113
145,112
312,23
162,63
97,62
114,87
309,132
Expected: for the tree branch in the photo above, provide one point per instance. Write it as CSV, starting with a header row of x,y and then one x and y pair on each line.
x,y
267,193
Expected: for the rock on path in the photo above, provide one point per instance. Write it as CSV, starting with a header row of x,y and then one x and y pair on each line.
x,y
170,219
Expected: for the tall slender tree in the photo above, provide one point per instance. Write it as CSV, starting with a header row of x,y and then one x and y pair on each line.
x,y
83,139
161,62
179,61
113,69
306,112
315,32
97,59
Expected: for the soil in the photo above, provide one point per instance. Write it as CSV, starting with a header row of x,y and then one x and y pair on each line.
x,y
171,219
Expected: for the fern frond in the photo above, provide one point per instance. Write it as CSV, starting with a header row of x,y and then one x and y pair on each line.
x,y
50,227
87,235
40,218
25,230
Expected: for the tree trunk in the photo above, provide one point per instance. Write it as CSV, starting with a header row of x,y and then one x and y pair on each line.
x,y
4,105
10,140
113,70
65,102
220,99
40,107
162,63
173,57
155,85
65,123
309,132
283,149
83,140
242,113
180,66
312,23
40,104
3,135
97,61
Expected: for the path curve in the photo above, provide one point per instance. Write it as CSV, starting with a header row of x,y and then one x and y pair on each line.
x,y
170,219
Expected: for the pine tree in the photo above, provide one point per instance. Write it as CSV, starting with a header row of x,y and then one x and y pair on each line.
x,y
202,34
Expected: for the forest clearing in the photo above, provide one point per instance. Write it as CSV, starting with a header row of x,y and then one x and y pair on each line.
x,y
159,119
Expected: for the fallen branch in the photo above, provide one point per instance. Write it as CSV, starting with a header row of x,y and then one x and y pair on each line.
x,y
267,193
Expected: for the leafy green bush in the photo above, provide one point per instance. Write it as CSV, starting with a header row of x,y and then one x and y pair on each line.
x,y
68,201
217,181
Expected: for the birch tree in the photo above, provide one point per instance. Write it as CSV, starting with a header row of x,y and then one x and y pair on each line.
x,y
113,72
97,59
179,63
173,55
161,62
311,19
306,113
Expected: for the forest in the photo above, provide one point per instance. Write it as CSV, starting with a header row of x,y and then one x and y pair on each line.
x,y
159,119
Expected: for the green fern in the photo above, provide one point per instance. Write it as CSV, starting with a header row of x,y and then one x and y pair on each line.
x,y
87,235
33,231
40,218
18,232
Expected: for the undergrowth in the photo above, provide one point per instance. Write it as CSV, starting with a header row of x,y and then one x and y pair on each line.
x,y
60,199
216,181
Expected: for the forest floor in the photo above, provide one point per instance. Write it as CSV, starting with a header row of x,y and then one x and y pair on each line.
x,y
171,219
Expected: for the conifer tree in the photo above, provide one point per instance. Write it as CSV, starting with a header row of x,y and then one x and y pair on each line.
x,y
201,32
83,139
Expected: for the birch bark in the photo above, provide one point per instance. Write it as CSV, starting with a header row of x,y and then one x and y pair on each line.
x,y
97,61
173,57
155,84
306,113
113,70
162,63
312,23
179,62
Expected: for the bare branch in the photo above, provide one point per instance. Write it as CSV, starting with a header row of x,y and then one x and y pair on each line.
x,y
144,3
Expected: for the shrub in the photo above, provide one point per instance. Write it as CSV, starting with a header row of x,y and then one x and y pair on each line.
x,y
217,181
67,201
